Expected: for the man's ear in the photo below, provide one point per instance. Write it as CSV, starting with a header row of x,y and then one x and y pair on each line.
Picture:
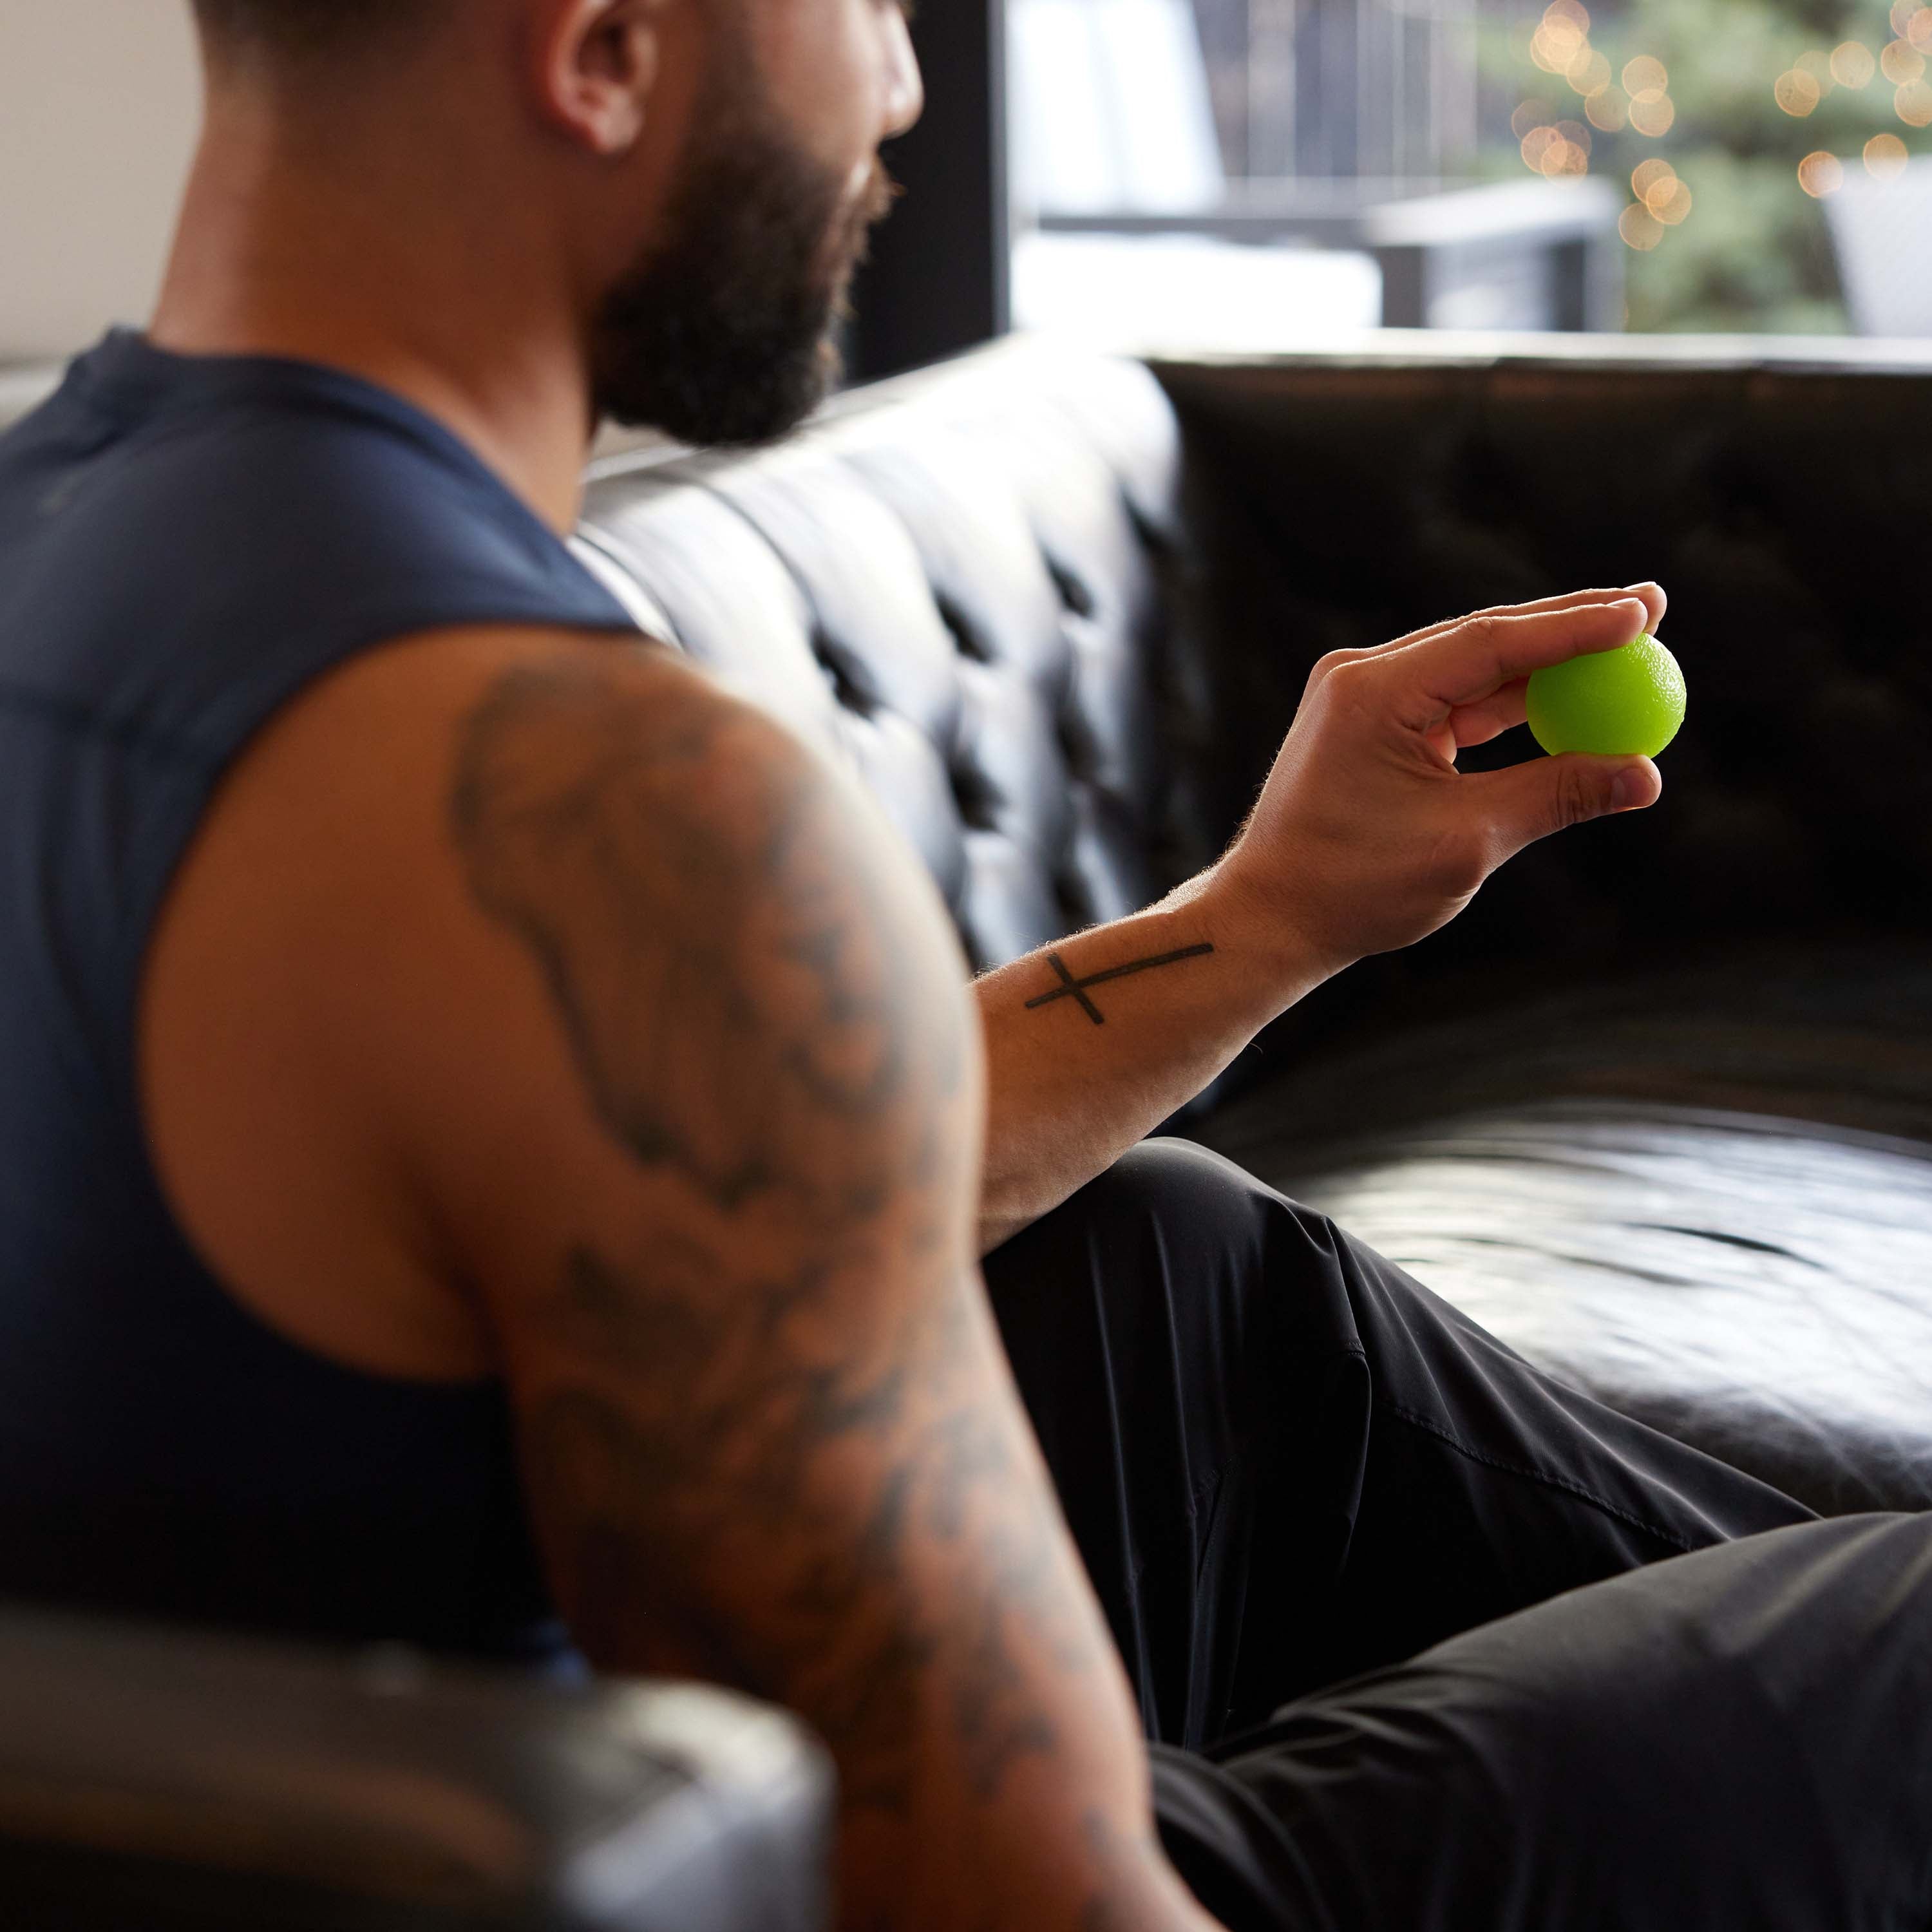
x,y
594,64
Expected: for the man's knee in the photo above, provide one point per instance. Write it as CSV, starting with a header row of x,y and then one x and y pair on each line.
x,y
1177,1186
1171,1240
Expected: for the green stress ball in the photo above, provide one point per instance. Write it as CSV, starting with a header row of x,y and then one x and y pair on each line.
x,y
1617,702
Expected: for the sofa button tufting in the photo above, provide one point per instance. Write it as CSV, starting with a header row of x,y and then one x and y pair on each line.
x,y
851,683
966,637
974,793
1073,591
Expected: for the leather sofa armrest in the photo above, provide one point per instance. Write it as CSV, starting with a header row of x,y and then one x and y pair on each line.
x,y
172,1781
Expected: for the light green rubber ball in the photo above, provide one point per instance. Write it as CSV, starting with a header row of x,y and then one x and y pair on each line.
x,y
1615,703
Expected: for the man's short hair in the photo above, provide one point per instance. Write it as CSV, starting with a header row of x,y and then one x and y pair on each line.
x,y
311,29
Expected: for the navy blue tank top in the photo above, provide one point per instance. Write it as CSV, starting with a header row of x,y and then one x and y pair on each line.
x,y
185,544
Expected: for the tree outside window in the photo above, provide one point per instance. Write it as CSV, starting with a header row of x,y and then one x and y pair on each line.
x,y
1727,126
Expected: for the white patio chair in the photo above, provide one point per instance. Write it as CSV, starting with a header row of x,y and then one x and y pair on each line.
x,y
1882,233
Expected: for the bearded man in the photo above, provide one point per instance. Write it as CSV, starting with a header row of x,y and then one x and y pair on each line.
x,y
498,1145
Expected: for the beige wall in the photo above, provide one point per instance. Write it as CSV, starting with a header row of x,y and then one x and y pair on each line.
x,y
98,100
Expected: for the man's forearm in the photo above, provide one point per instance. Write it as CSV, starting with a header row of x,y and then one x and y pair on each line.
x,y
1098,1039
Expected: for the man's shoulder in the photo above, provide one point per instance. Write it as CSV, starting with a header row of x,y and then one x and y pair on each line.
x,y
471,881
389,782
265,525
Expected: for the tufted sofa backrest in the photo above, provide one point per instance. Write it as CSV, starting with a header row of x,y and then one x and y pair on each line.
x,y
968,586
1779,495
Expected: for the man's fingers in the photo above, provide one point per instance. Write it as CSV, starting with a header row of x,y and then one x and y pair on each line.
x,y
1502,711
1651,596
1472,663
1529,802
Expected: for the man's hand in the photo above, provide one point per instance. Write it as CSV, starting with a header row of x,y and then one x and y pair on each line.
x,y
1367,838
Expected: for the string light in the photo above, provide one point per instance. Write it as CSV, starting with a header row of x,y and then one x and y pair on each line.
x,y
1665,198
1886,156
1587,72
1795,91
1852,64
1671,208
1821,173
1532,113
1608,109
1901,62
1640,229
1561,36
1652,111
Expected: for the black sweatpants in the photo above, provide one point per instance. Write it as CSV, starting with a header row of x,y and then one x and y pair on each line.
x,y
1341,1535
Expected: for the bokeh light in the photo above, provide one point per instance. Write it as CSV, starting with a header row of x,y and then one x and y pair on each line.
x,y
1587,72
1795,91
1561,37
1901,62
1608,109
1903,13
1912,104
1821,173
1665,198
1645,76
1672,207
1652,111
1852,64
1919,29
1639,227
1886,156
1558,151
1532,113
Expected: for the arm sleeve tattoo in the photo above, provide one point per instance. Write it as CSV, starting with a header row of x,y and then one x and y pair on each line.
x,y
730,969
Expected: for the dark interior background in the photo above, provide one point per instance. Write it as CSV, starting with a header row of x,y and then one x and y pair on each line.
x,y
1783,512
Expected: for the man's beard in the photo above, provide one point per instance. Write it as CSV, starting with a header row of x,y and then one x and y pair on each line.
x,y
723,331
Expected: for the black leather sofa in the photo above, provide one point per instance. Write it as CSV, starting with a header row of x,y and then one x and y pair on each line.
x,y
1658,1109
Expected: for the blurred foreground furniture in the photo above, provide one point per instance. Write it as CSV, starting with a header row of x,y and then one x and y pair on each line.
x,y
164,1784
1114,138
1882,234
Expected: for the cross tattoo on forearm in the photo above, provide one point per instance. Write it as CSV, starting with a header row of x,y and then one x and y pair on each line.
x,y
1071,989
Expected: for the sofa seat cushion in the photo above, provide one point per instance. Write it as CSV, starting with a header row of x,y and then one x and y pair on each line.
x,y
1713,1211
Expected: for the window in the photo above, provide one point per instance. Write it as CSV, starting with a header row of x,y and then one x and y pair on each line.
x,y
1250,173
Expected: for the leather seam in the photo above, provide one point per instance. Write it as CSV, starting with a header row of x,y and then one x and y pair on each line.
x,y
1535,1474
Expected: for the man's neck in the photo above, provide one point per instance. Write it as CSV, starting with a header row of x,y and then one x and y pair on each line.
x,y
395,267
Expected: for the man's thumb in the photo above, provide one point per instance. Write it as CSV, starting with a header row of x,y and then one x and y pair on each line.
x,y
1549,795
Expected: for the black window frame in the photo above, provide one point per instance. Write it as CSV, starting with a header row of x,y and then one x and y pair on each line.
x,y
937,282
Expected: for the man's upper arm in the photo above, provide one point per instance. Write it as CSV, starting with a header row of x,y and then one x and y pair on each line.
x,y
508,932
626,1029
769,1093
